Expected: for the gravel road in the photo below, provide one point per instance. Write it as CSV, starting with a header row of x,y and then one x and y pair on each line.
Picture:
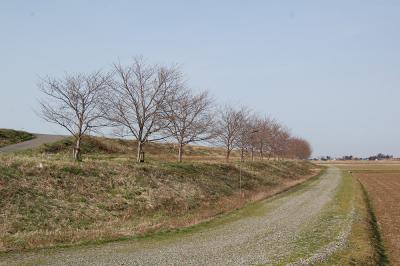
x,y
265,237
33,143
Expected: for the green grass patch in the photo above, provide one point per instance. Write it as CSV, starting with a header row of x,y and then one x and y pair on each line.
x,y
10,136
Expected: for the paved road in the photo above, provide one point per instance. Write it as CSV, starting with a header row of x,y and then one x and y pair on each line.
x,y
266,237
39,139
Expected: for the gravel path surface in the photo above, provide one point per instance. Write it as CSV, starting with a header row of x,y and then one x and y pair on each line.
x,y
266,237
33,143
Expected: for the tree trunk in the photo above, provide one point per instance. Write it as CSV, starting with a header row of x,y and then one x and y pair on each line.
x,y
139,151
242,155
180,152
77,150
252,154
228,153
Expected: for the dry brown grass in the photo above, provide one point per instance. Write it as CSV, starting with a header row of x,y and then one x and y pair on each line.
x,y
48,200
93,147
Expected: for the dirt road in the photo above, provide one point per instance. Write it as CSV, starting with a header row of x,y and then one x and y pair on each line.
x,y
272,232
33,143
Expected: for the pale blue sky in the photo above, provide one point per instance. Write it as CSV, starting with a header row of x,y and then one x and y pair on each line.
x,y
330,70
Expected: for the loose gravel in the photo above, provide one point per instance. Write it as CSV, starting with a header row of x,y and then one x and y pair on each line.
x,y
266,237
339,243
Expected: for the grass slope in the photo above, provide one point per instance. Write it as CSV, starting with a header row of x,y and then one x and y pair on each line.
x,y
9,136
94,147
49,200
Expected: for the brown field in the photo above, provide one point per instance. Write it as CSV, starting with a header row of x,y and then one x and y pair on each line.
x,y
382,181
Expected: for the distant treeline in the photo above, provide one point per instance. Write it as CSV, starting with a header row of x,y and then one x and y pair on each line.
x,y
379,156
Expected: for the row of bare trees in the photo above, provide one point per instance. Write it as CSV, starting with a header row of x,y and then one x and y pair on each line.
x,y
252,134
152,103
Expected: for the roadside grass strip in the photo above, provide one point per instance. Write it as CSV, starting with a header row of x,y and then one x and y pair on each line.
x,y
330,230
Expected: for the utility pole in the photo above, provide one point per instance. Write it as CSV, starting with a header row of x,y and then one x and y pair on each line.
x,y
240,176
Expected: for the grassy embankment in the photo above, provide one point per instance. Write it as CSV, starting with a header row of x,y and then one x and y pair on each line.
x,y
49,200
9,136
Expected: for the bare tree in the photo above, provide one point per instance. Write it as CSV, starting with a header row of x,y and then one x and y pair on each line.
x,y
137,98
231,123
189,118
299,148
246,141
263,135
253,134
73,102
279,139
